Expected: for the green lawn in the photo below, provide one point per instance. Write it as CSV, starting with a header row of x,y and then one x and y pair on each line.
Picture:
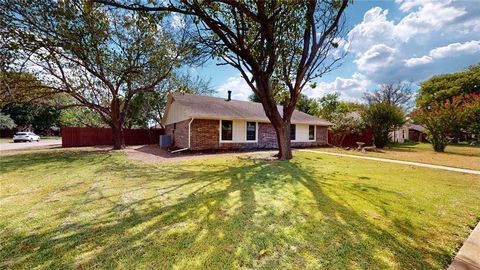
x,y
460,156
66,209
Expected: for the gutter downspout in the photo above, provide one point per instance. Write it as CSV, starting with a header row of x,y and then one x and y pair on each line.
x,y
184,149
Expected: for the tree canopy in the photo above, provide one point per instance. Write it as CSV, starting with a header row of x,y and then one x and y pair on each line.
x,y
252,37
442,87
101,57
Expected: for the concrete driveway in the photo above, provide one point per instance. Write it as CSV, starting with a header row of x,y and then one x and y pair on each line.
x,y
43,144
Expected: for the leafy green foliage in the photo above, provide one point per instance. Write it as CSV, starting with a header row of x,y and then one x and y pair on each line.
x,y
345,116
442,87
101,57
471,108
148,108
31,115
444,120
6,121
80,117
383,118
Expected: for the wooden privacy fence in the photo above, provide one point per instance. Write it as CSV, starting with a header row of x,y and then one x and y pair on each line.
x,y
74,136
352,139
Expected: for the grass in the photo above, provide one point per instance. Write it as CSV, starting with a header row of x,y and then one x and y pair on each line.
x,y
460,156
67,209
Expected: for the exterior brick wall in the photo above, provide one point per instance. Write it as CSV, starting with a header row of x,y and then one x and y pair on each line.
x,y
205,136
179,133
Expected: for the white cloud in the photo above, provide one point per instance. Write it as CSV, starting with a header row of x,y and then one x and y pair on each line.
x,y
450,50
410,47
351,89
415,61
238,86
378,56
456,49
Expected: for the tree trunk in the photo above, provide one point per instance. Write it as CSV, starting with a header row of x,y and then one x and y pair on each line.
x,y
282,130
117,126
118,137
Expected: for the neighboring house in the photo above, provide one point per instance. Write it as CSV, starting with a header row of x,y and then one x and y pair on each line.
x,y
416,133
202,123
408,132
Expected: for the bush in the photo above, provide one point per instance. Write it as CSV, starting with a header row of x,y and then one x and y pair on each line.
x,y
441,121
383,118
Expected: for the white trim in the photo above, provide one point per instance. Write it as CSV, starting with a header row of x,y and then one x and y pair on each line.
x,y
245,134
314,133
258,120
308,133
189,132
256,132
220,131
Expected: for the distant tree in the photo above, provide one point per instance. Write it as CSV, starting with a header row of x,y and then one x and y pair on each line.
x,y
32,115
395,94
330,105
471,110
81,117
307,105
293,41
101,57
21,87
441,120
383,118
346,124
442,87
345,115
6,121
147,108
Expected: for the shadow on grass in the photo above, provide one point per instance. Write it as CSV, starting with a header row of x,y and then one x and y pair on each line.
x,y
216,217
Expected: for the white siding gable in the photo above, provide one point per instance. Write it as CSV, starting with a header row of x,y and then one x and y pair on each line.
x,y
176,113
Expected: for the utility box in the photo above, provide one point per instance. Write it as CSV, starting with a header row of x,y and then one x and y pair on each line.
x,y
165,141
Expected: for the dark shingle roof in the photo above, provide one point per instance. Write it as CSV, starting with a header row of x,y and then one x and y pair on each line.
x,y
218,108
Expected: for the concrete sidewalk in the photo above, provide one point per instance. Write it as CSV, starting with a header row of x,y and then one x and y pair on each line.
x,y
418,164
468,257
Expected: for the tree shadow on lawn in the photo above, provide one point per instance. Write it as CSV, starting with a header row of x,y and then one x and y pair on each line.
x,y
218,216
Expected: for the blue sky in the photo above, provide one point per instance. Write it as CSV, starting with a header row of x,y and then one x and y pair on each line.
x,y
388,41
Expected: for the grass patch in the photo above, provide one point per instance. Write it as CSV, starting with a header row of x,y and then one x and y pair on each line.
x,y
95,209
460,156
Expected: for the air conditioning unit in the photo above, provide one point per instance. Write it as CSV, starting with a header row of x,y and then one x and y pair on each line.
x,y
165,141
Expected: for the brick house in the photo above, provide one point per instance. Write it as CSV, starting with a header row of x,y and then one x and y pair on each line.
x,y
205,123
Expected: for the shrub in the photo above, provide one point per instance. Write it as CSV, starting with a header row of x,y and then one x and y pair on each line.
x,y
441,121
383,118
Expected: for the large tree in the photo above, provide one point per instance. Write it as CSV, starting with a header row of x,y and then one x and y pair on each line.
x,y
396,94
101,57
292,41
442,87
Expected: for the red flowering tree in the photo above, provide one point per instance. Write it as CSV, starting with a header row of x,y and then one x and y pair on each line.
x,y
442,120
471,110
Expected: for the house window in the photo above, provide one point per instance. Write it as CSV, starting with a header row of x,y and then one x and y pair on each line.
x,y
311,133
251,131
292,132
227,128
403,134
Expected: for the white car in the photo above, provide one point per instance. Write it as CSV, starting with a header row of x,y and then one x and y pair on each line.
x,y
25,137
